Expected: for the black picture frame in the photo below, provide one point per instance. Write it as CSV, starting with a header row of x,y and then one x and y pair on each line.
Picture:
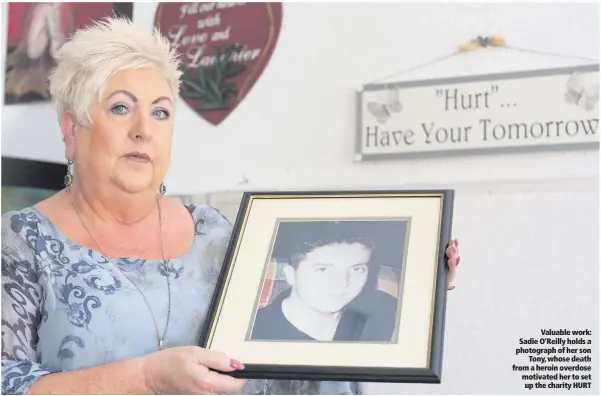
x,y
432,374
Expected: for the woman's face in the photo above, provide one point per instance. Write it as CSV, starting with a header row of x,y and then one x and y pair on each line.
x,y
128,143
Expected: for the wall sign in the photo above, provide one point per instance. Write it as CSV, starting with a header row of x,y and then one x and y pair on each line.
x,y
224,47
554,109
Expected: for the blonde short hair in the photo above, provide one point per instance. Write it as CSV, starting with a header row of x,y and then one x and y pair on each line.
x,y
94,54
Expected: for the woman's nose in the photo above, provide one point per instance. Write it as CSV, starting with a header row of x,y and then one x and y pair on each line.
x,y
140,131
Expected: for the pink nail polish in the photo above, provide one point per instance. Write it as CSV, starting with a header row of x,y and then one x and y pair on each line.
x,y
236,365
458,260
450,287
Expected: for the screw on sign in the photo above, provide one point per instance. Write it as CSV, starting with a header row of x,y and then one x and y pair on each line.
x,y
224,48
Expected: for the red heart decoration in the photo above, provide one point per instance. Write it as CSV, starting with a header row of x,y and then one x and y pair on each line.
x,y
224,48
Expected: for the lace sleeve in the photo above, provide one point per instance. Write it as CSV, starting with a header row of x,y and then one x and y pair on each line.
x,y
21,302
217,229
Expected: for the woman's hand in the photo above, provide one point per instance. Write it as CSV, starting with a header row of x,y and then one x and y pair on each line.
x,y
453,261
186,370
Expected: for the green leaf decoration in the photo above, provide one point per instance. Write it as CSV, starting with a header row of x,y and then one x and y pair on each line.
x,y
213,106
210,84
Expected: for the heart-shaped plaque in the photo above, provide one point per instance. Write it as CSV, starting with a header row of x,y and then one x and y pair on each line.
x,y
224,48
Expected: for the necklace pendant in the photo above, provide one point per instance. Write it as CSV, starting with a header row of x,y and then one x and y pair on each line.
x,y
160,344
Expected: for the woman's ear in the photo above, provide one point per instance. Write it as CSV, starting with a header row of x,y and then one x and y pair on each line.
x,y
68,126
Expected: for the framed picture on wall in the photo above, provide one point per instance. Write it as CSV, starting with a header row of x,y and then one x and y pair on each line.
x,y
34,33
335,286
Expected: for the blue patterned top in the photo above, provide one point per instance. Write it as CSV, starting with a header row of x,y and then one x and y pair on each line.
x,y
64,307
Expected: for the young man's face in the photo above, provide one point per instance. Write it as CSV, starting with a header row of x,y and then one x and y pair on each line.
x,y
331,276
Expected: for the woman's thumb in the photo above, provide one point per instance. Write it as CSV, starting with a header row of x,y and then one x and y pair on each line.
x,y
219,361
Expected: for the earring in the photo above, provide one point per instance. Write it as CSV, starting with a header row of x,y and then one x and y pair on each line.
x,y
162,189
69,175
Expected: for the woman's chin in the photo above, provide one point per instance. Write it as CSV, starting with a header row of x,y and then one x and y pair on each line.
x,y
136,186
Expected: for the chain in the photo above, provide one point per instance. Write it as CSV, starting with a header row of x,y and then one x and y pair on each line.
x,y
160,339
481,42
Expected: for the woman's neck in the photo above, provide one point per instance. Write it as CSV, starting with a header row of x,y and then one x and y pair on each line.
x,y
318,325
113,206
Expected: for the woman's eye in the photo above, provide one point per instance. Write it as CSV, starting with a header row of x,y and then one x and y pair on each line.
x,y
360,269
161,114
119,109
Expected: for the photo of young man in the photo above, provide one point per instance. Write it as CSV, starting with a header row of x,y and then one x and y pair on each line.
x,y
334,282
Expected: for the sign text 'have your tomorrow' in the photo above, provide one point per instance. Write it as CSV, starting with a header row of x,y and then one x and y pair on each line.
x,y
550,110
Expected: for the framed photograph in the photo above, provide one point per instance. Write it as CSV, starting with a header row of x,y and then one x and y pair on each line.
x,y
34,33
339,286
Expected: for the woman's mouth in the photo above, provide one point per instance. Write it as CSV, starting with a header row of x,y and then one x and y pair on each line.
x,y
137,157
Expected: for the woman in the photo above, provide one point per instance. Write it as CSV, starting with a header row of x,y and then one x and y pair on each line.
x,y
105,286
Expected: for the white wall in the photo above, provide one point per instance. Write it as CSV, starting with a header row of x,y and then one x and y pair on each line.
x,y
299,118
527,223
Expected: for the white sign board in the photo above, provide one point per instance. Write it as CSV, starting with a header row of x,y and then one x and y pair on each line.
x,y
537,110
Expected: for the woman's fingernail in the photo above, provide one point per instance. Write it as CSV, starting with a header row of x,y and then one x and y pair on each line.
x,y
236,365
458,260
451,287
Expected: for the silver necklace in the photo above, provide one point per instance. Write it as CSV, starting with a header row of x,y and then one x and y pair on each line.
x,y
160,339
